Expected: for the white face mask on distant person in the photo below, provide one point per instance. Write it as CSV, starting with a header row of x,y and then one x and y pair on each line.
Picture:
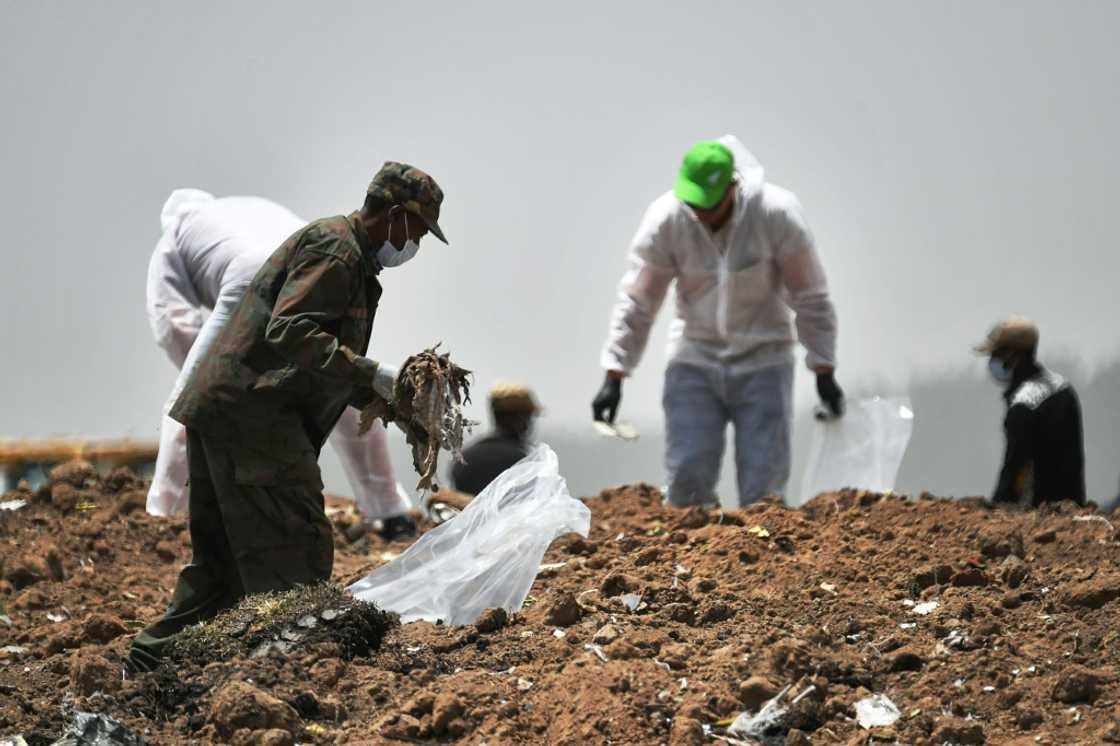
x,y
390,256
1000,371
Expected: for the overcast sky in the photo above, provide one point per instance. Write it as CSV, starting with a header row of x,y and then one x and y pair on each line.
x,y
957,162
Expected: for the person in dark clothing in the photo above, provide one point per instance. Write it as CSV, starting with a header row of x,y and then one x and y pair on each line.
x,y
1045,456
514,409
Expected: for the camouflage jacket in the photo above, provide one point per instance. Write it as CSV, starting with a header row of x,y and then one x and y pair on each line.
x,y
290,359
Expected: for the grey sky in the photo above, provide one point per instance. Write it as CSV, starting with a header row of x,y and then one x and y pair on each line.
x,y
957,161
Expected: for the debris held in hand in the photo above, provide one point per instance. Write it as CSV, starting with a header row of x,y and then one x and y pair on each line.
x,y
427,406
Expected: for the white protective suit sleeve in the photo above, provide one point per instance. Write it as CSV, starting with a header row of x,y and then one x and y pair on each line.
x,y
805,282
172,303
640,294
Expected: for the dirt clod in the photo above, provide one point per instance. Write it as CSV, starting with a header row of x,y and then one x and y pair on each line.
x,y
492,620
563,610
241,706
1076,684
755,691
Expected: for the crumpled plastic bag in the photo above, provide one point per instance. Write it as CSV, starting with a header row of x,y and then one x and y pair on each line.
x,y
863,449
488,555
95,729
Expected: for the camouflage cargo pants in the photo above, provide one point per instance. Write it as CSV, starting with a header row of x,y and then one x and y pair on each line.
x,y
245,539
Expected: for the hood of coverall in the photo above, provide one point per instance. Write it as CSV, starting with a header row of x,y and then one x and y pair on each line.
x,y
751,175
180,203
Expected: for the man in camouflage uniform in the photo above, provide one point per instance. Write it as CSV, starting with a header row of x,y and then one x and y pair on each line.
x,y
261,403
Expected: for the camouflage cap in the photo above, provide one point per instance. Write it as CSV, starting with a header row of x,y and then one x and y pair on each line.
x,y
413,189
1016,333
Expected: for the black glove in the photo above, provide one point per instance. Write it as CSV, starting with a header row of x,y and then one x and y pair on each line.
x,y
604,406
830,393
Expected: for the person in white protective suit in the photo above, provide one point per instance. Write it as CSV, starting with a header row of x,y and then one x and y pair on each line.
x,y
208,254
746,271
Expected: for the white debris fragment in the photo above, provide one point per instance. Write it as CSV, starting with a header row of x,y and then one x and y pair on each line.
x,y
876,710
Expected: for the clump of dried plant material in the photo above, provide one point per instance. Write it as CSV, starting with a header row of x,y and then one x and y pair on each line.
x,y
427,406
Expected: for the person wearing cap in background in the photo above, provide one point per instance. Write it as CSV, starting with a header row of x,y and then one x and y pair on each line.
x,y
269,390
1044,460
746,271
208,254
514,409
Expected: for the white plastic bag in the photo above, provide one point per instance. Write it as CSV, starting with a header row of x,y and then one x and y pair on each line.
x,y
486,556
862,449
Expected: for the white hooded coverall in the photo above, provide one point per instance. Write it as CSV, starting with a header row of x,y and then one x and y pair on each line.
x,y
739,294
208,254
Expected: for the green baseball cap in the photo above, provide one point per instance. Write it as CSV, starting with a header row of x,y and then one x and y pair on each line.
x,y
705,173
402,184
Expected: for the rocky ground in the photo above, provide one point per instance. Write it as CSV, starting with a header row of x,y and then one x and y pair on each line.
x,y
981,626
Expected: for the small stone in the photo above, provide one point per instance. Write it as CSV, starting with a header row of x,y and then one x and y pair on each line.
x,y
621,650
76,473
1013,572
420,704
956,731
563,610
701,586
906,659
102,628
1093,594
617,583
997,545
931,576
1046,536
91,673
972,577
1028,719
606,634
53,558
756,691
237,705
717,612
492,620
676,655
327,672
401,727
272,737
686,731
446,708
797,738
647,557
167,551
23,572
1076,684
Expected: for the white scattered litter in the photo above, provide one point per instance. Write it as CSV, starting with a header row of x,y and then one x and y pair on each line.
x,y
631,600
524,685
876,710
559,633
12,504
924,608
907,625
552,566
598,651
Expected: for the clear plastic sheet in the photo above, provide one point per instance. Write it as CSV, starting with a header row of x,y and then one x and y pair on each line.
x,y
488,555
863,449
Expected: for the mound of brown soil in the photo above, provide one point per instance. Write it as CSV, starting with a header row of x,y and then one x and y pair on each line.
x,y
980,625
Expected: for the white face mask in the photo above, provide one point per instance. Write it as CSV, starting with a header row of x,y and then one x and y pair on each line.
x,y
999,370
389,255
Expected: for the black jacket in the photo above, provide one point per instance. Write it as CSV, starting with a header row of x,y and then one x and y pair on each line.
x,y
1045,457
485,459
